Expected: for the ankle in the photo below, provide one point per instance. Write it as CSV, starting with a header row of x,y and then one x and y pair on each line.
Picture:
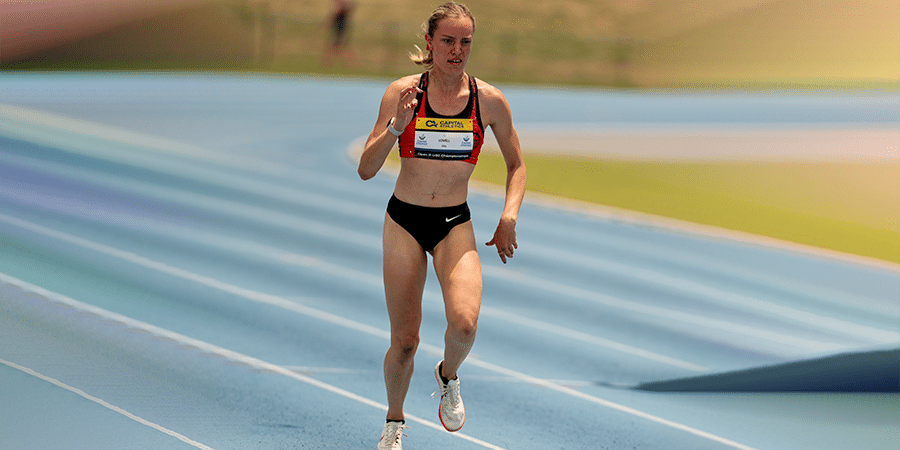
x,y
444,379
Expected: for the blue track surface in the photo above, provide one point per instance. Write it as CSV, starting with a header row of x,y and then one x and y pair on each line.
x,y
191,262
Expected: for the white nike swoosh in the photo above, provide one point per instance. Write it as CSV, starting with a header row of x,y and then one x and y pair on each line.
x,y
450,219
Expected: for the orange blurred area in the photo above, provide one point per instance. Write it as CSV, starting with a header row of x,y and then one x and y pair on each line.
x,y
33,26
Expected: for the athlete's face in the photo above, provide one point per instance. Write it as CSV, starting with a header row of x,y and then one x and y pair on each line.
x,y
451,43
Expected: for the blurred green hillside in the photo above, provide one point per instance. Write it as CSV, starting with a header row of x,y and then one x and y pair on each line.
x,y
631,43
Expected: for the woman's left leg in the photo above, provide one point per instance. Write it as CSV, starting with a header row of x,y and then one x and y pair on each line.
x,y
458,269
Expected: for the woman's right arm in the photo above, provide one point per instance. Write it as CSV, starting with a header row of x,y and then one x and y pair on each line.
x,y
399,102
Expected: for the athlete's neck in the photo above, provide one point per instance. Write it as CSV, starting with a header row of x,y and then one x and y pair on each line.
x,y
447,83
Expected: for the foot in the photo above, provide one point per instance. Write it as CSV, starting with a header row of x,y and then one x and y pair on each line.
x,y
451,412
391,436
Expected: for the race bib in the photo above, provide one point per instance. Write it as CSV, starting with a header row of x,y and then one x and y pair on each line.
x,y
444,138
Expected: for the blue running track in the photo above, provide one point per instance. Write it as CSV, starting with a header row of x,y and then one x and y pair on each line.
x,y
190,261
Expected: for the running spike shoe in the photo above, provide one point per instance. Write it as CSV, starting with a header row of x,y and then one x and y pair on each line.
x,y
452,412
391,436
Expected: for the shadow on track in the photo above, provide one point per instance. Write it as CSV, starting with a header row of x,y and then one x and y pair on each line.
x,y
874,371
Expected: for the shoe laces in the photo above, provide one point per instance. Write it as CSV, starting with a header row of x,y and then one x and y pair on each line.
x,y
394,432
449,390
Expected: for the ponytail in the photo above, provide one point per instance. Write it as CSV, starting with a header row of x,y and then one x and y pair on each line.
x,y
421,59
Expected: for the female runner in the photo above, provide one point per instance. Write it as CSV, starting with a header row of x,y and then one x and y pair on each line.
x,y
439,118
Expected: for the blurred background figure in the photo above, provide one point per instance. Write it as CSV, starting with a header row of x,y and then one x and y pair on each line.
x,y
339,25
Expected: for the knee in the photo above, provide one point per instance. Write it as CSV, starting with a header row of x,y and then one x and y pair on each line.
x,y
464,327
405,345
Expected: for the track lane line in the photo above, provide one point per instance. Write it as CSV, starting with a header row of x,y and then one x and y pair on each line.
x,y
282,220
102,402
271,253
588,338
205,348
696,289
200,175
374,331
196,201
608,404
813,293
557,288
42,127
281,193
201,202
81,137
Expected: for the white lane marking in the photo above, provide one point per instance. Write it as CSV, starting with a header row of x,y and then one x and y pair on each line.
x,y
655,311
230,244
331,269
588,338
104,403
206,348
696,289
280,191
248,294
282,220
813,293
101,141
575,384
202,202
70,134
608,404
314,370
69,125
384,334
43,127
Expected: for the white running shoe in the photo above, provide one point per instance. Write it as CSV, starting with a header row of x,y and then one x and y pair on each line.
x,y
391,436
451,412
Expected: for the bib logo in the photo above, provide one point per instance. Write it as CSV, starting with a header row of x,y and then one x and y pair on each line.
x,y
445,124
432,124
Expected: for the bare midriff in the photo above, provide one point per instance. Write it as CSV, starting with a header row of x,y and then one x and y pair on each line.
x,y
434,183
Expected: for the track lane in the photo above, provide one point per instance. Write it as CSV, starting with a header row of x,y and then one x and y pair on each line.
x,y
203,229
230,208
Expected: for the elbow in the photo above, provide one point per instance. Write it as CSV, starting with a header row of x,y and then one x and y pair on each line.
x,y
516,174
514,167
365,174
366,168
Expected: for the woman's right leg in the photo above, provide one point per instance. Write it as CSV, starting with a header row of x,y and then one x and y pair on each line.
x,y
405,269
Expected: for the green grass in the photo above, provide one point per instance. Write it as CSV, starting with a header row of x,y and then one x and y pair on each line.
x,y
852,208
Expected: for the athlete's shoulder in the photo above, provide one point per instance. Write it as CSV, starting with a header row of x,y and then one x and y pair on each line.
x,y
493,102
405,82
487,90
490,95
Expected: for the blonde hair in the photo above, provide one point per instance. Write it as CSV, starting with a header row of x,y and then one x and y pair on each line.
x,y
449,9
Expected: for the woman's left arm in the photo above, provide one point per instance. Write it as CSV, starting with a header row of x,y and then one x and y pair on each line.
x,y
499,118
